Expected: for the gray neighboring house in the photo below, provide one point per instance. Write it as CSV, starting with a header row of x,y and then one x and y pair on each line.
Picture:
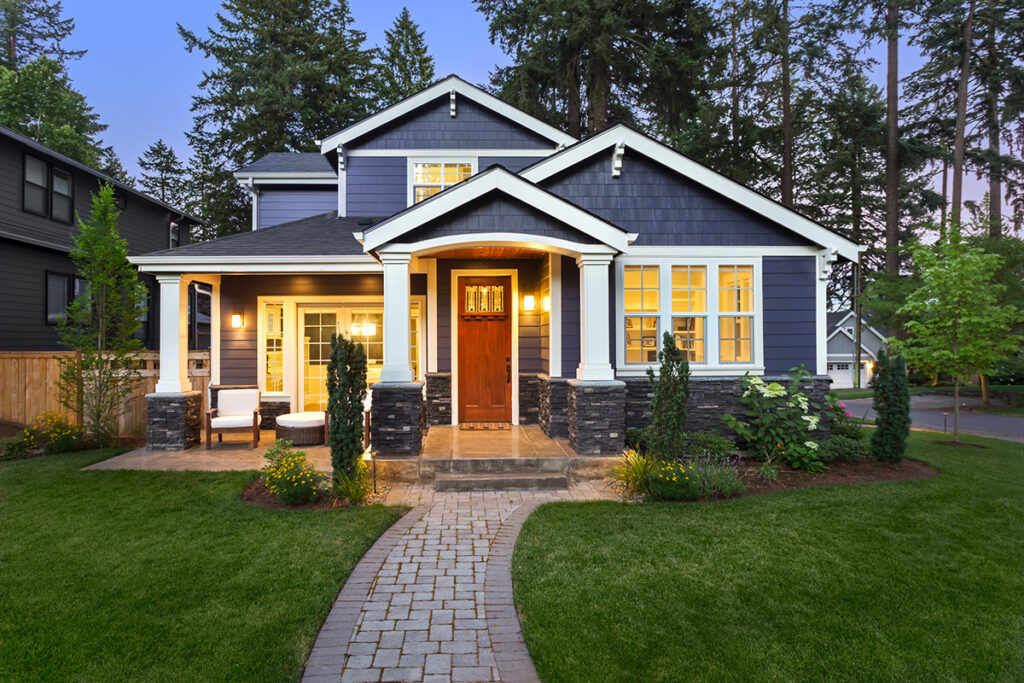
x,y
841,347
41,192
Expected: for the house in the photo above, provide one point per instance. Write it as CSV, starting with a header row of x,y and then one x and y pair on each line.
x,y
496,270
842,343
41,193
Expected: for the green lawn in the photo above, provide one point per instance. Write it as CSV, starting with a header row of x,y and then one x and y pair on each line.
x,y
162,576
920,580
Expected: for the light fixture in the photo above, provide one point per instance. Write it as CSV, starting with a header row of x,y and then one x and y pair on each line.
x,y
546,305
237,320
528,303
364,329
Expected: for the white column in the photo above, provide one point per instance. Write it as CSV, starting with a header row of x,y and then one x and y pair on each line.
x,y
215,323
594,318
396,318
173,335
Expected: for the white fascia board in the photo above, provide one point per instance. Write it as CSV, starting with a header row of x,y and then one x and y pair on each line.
x,y
501,180
255,264
445,153
716,182
496,239
441,89
723,251
271,175
329,181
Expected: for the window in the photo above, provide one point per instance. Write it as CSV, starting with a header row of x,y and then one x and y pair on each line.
x,y
842,366
414,338
689,296
61,199
736,297
642,293
37,186
429,178
367,328
60,290
273,362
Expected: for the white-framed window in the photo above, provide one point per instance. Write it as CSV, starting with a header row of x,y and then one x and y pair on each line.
x,y
427,177
712,307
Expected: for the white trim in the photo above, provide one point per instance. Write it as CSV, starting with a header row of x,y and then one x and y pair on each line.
x,y
431,315
721,251
712,365
287,177
342,181
495,179
555,319
173,319
397,367
430,152
715,182
821,314
441,158
215,323
497,239
484,272
180,263
595,309
441,88
320,180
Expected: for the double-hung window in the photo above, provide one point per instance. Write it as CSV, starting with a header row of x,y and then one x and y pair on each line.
x,y
736,313
36,197
689,310
61,290
642,294
61,197
429,178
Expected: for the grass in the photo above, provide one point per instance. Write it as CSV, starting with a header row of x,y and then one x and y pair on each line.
x,y
916,580
162,576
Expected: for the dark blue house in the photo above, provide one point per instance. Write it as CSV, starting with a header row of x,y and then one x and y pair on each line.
x,y
497,270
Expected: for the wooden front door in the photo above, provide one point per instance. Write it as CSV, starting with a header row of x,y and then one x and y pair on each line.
x,y
485,349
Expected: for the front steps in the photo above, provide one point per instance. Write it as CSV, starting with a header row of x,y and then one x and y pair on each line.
x,y
517,481
494,473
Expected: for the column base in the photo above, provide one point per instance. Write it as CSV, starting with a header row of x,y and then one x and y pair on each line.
x,y
173,420
553,406
529,398
397,418
597,416
439,398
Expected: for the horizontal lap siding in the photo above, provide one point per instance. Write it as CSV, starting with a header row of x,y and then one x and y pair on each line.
x,y
433,127
663,207
570,317
284,205
375,186
514,164
789,312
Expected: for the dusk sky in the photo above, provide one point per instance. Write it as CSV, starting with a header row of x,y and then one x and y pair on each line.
x,y
139,78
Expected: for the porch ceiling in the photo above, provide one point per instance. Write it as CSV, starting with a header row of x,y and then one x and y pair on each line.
x,y
488,253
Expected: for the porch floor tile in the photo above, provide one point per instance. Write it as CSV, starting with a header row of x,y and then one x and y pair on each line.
x,y
446,442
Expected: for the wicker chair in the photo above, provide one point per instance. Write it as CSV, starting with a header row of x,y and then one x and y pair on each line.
x,y
238,410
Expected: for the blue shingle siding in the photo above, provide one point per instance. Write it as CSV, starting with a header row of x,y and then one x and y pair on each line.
x,y
376,186
284,205
664,207
498,213
433,127
570,317
789,312
514,164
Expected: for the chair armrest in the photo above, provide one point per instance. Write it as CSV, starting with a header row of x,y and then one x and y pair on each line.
x,y
211,412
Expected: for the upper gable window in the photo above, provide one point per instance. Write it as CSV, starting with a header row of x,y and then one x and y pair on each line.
x,y
430,177
37,186
61,198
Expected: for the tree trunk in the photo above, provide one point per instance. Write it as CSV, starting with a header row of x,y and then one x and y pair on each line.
x,y
787,112
599,93
945,197
986,399
858,311
959,141
995,174
956,409
892,149
734,87
572,89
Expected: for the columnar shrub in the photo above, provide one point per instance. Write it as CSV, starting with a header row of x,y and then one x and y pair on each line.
x,y
346,391
892,408
666,437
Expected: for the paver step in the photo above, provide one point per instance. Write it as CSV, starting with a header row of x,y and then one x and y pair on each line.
x,y
508,481
503,465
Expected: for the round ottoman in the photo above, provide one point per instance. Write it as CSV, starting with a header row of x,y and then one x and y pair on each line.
x,y
302,429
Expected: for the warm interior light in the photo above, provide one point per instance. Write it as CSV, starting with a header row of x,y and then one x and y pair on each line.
x,y
237,320
528,302
364,329
547,303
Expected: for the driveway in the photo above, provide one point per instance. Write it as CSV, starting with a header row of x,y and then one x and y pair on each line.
x,y
926,412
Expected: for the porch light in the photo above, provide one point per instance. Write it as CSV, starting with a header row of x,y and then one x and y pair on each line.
x,y
364,329
528,303
237,320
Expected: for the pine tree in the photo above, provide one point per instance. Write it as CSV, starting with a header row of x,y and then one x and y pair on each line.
x,y
403,65
667,436
34,28
284,75
892,408
163,175
346,390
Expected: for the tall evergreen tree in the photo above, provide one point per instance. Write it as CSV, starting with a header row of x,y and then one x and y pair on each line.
x,y
284,75
34,28
163,175
403,66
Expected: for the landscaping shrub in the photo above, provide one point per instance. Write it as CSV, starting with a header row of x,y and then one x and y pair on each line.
x,y
666,437
356,487
636,439
892,406
710,445
292,478
718,481
1008,371
674,481
346,391
16,447
844,448
842,421
55,434
631,477
280,449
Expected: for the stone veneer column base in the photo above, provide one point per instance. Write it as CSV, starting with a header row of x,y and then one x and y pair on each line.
x,y
439,398
529,398
597,416
397,418
173,421
553,406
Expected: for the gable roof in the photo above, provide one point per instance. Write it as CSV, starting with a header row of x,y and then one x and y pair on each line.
x,y
495,179
609,139
278,163
835,321
446,85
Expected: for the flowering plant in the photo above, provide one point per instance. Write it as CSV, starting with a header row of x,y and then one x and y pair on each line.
x,y
674,480
291,477
841,420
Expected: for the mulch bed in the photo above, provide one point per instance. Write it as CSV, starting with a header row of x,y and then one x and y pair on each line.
x,y
864,472
257,493
9,428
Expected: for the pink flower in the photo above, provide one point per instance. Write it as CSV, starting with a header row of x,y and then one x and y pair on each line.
x,y
842,405
849,414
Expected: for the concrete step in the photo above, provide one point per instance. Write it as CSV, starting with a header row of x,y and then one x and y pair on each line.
x,y
507,481
503,465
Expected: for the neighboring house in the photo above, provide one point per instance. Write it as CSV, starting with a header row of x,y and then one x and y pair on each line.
x,y
502,270
41,194
842,345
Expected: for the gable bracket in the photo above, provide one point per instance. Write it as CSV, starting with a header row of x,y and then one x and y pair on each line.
x,y
826,258
451,100
617,154
341,158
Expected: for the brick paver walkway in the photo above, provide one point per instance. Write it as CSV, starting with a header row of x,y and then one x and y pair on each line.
x,y
432,600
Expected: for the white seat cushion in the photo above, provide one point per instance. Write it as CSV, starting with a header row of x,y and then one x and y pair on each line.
x,y
307,419
231,402
232,421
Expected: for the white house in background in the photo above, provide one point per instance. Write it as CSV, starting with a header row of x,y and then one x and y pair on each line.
x,y
842,334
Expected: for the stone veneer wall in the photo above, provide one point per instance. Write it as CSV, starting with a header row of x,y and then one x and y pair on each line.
x,y
597,416
173,421
438,406
397,418
553,406
529,398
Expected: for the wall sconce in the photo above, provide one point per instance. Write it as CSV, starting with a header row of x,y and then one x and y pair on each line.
x,y
237,320
546,305
528,302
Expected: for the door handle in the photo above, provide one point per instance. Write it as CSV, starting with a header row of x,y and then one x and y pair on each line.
x,y
508,371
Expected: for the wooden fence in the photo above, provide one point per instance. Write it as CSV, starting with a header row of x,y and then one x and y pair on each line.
x,y
29,386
